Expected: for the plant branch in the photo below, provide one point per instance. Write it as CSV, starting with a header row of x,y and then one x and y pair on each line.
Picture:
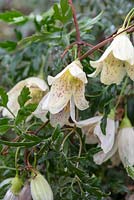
x,y
104,42
76,25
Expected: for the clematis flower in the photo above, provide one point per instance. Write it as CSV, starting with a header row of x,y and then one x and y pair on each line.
x,y
13,192
40,189
68,83
116,61
123,145
105,141
67,86
37,87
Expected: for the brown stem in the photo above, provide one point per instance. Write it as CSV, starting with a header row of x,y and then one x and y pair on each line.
x,y
101,44
76,25
78,43
39,129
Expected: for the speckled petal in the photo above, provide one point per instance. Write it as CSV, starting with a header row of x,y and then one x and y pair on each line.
x,y
60,118
123,48
79,96
130,70
101,157
113,71
60,94
106,141
126,146
73,65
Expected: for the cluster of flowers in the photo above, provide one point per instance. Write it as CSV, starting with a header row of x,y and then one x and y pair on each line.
x,y
37,188
68,90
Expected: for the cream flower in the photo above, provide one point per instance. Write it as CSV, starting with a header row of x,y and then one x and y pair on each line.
x,y
106,141
124,145
65,85
37,88
116,61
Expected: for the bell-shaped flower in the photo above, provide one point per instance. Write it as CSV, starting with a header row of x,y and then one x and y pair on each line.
x,y
126,143
116,61
123,145
70,83
38,88
40,189
13,192
106,141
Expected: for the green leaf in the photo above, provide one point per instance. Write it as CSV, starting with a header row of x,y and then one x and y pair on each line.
x,y
8,45
32,137
13,17
130,171
64,5
3,98
103,124
62,13
24,96
4,126
18,144
24,112
56,133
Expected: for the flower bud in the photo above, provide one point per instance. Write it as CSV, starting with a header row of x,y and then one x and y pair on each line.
x,y
16,185
40,189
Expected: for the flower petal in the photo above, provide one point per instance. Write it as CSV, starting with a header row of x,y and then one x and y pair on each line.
x,y
74,64
88,131
79,97
97,71
37,82
40,112
113,71
107,140
76,70
126,146
60,94
85,122
123,48
101,157
60,118
98,62
130,70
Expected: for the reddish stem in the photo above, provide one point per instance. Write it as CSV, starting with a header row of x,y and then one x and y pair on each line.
x,y
76,25
101,44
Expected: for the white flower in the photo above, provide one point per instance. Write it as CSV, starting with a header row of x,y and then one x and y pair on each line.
x,y
124,145
65,85
106,141
37,88
40,189
116,61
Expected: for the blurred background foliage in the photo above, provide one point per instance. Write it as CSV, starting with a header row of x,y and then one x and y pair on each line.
x,y
33,36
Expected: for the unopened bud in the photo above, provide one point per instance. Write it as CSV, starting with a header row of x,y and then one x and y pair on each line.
x,y
40,189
